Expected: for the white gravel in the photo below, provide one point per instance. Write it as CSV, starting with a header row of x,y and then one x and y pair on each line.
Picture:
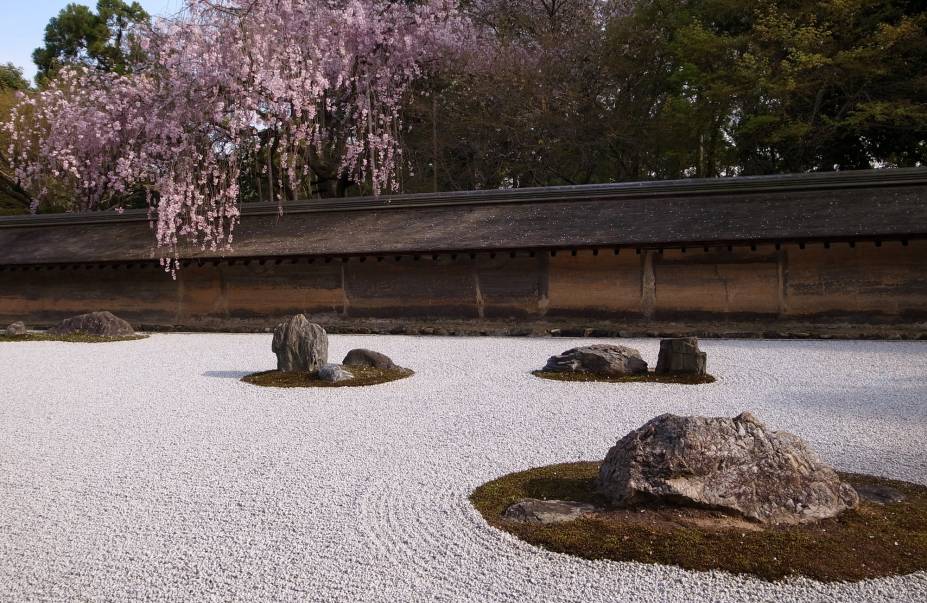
x,y
146,470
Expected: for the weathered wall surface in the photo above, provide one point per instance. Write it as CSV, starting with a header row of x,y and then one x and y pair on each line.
x,y
759,288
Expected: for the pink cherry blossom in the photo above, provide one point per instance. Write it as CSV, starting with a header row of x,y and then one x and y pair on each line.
x,y
328,77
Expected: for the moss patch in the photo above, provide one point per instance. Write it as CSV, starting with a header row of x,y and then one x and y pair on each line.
x,y
363,375
679,378
73,338
868,542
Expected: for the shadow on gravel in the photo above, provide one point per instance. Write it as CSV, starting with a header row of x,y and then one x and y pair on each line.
x,y
226,374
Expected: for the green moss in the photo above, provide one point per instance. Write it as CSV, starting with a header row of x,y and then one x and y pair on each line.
x,y
868,542
362,376
73,338
678,378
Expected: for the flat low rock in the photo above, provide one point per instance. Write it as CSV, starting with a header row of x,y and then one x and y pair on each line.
x,y
100,324
364,357
300,345
537,511
16,329
334,373
681,355
735,465
882,495
601,359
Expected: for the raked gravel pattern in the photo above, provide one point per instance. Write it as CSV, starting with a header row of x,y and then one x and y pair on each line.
x,y
147,470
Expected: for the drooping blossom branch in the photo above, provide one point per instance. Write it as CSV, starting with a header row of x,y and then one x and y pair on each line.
x,y
327,78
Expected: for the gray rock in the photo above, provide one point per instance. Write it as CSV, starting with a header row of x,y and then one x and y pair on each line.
x,y
362,357
300,345
334,373
601,359
536,511
735,465
882,495
101,324
16,329
681,355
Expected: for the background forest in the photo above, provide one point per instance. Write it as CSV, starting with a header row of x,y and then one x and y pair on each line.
x,y
584,91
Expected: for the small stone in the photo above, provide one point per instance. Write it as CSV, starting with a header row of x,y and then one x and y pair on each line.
x,y
536,511
681,355
334,373
881,495
735,465
601,359
16,329
300,345
362,357
100,324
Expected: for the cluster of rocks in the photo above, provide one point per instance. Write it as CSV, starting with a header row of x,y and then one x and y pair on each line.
x,y
679,355
98,324
736,465
302,346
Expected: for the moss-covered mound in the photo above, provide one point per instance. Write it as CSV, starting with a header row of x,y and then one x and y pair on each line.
x,y
72,338
651,377
872,541
363,375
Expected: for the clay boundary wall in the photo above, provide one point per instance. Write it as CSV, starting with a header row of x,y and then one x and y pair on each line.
x,y
865,284
859,291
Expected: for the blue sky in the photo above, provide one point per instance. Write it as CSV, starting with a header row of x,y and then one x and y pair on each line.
x,y
22,25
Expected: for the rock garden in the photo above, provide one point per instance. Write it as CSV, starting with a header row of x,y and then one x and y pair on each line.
x,y
301,348
716,493
174,480
93,327
680,361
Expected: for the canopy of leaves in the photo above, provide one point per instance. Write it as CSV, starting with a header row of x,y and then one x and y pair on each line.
x,y
584,91
103,40
11,78
262,100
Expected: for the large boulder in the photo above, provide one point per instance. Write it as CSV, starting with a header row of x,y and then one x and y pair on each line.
x,y
300,345
735,465
369,358
16,329
601,359
100,324
681,355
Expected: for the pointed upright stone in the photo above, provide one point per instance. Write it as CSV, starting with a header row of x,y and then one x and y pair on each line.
x,y
300,345
681,355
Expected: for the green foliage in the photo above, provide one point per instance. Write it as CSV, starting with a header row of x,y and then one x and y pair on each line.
x,y
13,200
102,40
11,78
772,86
576,93
682,89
